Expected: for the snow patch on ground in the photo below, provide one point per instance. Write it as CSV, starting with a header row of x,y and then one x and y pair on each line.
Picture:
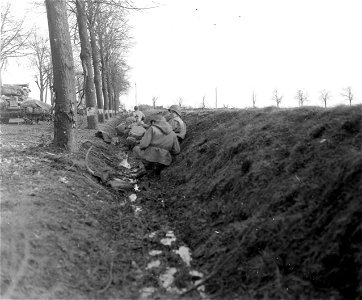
x,y
169,239
185,254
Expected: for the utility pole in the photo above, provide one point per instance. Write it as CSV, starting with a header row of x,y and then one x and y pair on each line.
x,y
216,97
135,86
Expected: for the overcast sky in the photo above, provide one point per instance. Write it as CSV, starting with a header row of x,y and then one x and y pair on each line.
x,y
188,48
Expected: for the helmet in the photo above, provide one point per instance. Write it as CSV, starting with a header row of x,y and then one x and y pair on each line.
x,y
176,109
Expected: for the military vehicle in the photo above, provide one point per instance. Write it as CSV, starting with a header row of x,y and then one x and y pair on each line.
x,y
15,103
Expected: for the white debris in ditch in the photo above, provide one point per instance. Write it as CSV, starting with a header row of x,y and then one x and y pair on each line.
x,y
147,292
201,288
136,209
153,264
185,254
154,252
195,273
170,237
63,180
124,163
167,278
132,197
136,188
152,235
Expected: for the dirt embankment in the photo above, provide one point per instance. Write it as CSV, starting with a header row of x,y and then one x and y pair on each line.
x,y
268,201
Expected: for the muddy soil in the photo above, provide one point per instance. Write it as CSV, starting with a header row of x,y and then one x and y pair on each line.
x,y
66,235
260,204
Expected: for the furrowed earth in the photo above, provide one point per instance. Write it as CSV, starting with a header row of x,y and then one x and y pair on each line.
x,y
267,202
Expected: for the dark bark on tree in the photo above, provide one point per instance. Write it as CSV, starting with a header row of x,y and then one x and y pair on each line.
x,y
116,100
104,78
92,16
63,66
110,92
97,75
117,92
86,58
105,93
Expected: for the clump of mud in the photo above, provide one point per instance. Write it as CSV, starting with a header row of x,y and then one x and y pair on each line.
x,y
269,201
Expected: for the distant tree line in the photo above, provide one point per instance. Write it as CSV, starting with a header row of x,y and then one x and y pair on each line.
x,y
302,97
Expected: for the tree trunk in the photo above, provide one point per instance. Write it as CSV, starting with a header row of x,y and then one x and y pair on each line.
x,y
110,93
105,93
63,66
86,58
97,75
117,92
46,93
50,85
1,82
104,78
41,85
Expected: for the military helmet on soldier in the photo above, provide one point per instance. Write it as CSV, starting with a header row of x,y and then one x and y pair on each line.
x,y
176,109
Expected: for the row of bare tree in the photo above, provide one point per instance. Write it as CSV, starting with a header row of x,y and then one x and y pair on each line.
x,y
102,34
97,32
302,97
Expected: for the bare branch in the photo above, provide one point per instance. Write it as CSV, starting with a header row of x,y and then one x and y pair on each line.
x,y
302,97
14,35
128,4
276,98
347,93
325,96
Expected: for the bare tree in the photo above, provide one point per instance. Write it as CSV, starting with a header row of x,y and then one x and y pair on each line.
x,y
118,69
110,89
276,98
86,58
347,93
13,36
93,14
154,100
40,59
180,101
104,74
112,32
254,99
325,96
64,76
301,97
108,33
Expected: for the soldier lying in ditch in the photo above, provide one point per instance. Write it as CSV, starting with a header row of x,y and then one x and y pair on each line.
x,y
157,146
